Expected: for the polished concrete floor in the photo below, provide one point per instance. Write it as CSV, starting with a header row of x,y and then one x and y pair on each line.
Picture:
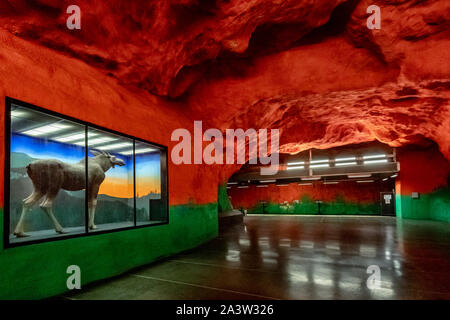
x,y
298,257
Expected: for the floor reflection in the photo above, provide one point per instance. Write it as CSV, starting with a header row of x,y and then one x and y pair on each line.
x,y
303,257
328,257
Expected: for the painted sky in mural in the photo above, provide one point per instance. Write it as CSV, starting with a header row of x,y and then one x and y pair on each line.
x,y
119,180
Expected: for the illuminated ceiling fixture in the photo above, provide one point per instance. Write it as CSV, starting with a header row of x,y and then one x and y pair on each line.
x,y
295,168
267,181
126,153
282,185
342,164
319,165
345,159
262,186
137,151
385,179
17,113
305,184
54,127
375,161
330,182
232,183
295,163
242,187
95,141
364,181
144,150
311,178
374,156
394,176
359,175
319,161
228,187
115,146
74,137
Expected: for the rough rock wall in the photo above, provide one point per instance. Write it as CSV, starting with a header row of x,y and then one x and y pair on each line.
x,y
310,68
426,172
42,77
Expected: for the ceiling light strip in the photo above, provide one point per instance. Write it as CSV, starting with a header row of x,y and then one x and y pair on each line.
x,y
295,168
295,163
375,161
342,164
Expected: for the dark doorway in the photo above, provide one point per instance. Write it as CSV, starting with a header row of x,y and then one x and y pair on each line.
x,y
387,203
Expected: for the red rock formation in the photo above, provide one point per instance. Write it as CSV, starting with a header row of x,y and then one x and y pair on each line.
x,y
39,76
310,68
422,170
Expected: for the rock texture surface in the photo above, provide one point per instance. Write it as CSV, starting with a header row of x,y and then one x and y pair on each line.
x,y
310,68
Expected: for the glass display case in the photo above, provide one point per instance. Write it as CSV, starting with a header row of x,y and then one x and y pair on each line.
x,y
68,178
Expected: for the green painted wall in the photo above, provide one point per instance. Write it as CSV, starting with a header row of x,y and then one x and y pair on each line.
x,y
39,270
431,206
307,206
223,200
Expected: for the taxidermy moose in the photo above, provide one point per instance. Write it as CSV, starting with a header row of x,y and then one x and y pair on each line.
x,y
50,175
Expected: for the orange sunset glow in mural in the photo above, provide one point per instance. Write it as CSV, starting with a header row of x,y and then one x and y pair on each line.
x,y
123,188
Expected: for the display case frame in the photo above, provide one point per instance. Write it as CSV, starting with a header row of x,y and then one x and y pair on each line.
x,y
164,169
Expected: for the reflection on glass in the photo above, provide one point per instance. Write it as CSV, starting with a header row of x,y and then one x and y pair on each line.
x,y
110,181
49,195
47,179
150,205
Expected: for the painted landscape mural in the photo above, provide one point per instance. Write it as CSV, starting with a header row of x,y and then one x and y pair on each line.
x,y
116,194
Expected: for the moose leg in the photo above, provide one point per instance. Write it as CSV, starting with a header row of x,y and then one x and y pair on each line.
x,y
47,206
92,204
27,205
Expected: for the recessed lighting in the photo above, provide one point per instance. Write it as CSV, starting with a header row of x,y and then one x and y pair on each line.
x,y
364,181
394,176
295,163
126,153
232,183
267,181
282,185
74,137
137,151
345,164
375,161
17,113
295,168
385,179
54,127
115,146
95,141
319,161
374,156
305,184
319,165
311,178
345,159
359,175
330,182
144,150
262,186
242,187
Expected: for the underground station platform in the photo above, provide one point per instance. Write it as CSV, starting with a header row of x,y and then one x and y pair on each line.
x,y
216,151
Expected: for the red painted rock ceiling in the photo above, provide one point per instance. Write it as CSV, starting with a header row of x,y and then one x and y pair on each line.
x,y
310,68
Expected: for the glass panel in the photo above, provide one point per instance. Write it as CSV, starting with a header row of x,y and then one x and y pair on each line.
x,y
150,204
47,177
110,181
